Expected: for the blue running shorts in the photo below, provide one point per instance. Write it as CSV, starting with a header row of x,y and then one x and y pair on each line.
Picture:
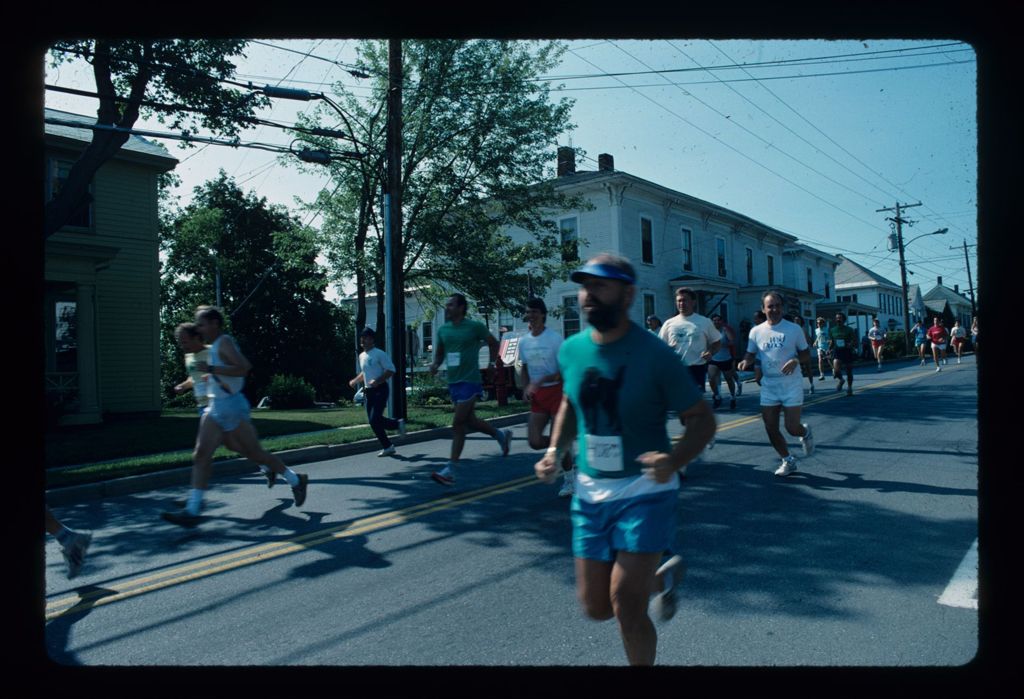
x,y
645,524
461,391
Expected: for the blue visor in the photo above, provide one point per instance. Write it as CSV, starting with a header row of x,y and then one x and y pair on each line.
x,y
599,270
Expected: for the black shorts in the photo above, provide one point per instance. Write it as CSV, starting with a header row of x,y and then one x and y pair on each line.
x,y
724,365
699,372
843,354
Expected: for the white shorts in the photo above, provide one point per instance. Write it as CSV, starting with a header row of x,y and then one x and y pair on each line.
x,y
787,391
941,347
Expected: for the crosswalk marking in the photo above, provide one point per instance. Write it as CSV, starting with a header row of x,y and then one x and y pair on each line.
x,y
962,590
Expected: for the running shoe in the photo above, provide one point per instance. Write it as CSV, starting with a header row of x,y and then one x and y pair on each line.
x,y
788,466
671,572
821,378
812,389
446,476
269,475
506,442
839,386
739,387
716,401
299,491
182,518
807,440
849,390
711,444
74,552
387,451
938,368
568,486
732,403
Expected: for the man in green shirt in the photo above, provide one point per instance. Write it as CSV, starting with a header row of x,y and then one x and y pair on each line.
x,y
842,340
458,348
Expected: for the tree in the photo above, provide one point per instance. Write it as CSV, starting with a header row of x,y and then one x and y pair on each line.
x,y
178,80
271,289
479,135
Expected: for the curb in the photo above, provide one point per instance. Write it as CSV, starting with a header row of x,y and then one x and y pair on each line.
x,y
73,494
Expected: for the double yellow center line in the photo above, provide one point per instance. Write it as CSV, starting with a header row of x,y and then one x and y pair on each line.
x,y
265,552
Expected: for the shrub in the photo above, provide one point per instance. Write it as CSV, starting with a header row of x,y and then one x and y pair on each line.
x,y
895,345
431,395
288,392
185,400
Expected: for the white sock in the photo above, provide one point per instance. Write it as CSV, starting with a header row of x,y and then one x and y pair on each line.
x,y
291,477
264,468
195,501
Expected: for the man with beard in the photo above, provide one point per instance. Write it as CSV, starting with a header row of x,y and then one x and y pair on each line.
x,y
458,347
618,383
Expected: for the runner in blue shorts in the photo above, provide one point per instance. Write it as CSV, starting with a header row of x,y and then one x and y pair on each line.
x,y
458,347
619,381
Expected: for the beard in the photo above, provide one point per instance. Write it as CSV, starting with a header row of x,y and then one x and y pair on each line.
x,y
603,317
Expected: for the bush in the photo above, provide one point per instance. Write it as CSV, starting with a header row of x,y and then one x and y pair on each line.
x,y
430,395
895,345
287,392
185,400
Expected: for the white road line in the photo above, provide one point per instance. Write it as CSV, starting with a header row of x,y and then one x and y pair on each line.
x,y
962,590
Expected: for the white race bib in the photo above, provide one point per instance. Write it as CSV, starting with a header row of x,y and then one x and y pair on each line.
x,y
840,343
454,359
604,452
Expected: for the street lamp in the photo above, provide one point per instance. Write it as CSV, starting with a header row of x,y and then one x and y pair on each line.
x,y
903,278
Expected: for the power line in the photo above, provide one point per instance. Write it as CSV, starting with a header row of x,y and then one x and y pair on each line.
x,y
736,150
822,60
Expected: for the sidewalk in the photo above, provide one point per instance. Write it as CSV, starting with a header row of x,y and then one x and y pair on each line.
x,y
69,495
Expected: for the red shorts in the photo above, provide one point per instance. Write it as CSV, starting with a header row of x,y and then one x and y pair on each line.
x,y
546,400
957,341
877,343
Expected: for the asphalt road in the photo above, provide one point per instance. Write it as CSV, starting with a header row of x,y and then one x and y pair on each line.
x,y
860,559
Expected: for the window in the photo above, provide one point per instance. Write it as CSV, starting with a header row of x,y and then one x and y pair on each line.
x,y
771,270
570,316
428,336
723,310
750,266
827,291
646,241
720,250
810,280
58,175
648,305
687,249
65,336
569,228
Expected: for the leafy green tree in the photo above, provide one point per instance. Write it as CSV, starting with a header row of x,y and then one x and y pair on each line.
x,y
271,289
178,80
479,138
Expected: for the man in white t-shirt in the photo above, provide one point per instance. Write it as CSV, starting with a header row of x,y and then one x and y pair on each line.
x,y
538,352
694,338
782,347
376,368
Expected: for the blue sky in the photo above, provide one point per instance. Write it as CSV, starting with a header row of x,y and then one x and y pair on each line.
x,y
811,137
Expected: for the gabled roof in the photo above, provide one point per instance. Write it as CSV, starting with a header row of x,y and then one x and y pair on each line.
x,y
850,274
944,293
134,144
914,295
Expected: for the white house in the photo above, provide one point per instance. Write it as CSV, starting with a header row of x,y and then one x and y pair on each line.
x,y
871,295
673,240
959,305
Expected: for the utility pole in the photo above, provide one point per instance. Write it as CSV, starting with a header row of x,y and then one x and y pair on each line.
x,y
970,284
899,221
395,257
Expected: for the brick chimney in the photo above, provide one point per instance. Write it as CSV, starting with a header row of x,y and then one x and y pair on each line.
x,y
605,163
956,288
940,281
566,161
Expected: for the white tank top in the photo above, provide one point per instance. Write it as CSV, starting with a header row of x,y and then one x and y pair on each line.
x,y
215,386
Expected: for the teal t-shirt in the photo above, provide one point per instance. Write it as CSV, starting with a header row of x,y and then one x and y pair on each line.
x,y
461,345
620,393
